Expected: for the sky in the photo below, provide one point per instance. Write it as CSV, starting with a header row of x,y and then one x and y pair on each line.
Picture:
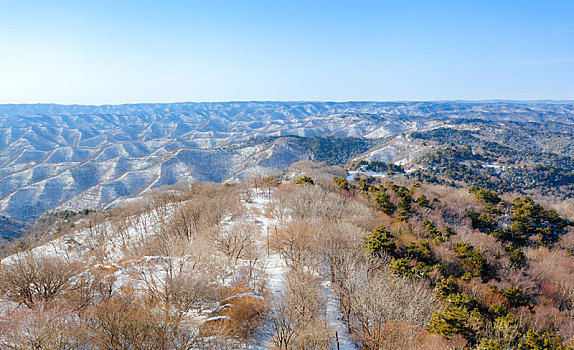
x,y
114,51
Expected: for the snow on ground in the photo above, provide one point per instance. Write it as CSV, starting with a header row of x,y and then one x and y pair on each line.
x,y
274,266
76,246
353,173
276,271
335,317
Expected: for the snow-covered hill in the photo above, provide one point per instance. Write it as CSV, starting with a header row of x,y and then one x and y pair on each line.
x,y
75,157
114,248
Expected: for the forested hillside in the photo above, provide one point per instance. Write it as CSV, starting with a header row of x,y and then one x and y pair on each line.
x,y
298,260
327,226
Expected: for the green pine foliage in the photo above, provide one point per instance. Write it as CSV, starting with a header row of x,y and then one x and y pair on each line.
x,y
483,158
489,344
446,286
531,219
423,201
402,268
436,234
484,317
342,183
454,320
484,222
516,256
545,341
383,199
420,252
516,297
473,260
380,241
485,195
305,180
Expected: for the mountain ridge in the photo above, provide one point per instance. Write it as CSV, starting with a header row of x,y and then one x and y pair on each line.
x,y
75,157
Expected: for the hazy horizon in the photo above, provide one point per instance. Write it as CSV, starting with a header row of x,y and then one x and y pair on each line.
x,y
294,101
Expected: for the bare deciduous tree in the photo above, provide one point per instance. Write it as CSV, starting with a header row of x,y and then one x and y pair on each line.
x,y
297,317
122,323
385,300
45,327
308,202
174,289
237,241
298,244
33,278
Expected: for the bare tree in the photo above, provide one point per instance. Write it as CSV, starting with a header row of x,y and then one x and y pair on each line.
x,y
205,210
98,233
297,317
298,244
308,202
237,242
385,302
121,323
174,289
33,278
279,211
44,327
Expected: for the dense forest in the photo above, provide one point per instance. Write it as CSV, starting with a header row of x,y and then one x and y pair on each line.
x,y
507,159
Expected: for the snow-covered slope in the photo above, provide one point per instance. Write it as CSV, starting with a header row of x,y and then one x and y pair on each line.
x,y
107,247
73,157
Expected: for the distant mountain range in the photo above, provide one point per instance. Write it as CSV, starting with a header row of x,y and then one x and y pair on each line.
x,y
56,157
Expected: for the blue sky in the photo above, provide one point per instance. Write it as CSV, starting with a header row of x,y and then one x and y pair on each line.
x,y
96,52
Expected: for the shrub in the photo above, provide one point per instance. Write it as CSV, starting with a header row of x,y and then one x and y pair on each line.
x,y
516,256
423,201
29,278
482,221
446,286
383,199
489,344
455,320
530,219
516,297
401,267
485,195
420,252
545,341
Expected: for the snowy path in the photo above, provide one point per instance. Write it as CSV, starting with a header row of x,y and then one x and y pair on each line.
x,y
275,267
335,317
276,270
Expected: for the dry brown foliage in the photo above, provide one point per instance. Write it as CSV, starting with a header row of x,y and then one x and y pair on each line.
x,y
29,279
297,244
391,335
125,322
239,314
314,203
47,326
317,170
237,242
297,319
204,210
174,289
386,298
